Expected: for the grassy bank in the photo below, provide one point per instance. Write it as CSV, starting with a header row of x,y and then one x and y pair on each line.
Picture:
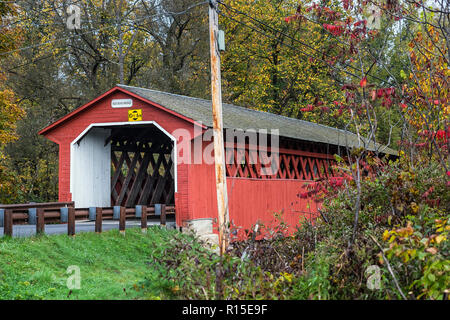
x,y
112,266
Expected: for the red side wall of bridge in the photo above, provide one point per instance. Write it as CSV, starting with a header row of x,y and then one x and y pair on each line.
x,y
249,200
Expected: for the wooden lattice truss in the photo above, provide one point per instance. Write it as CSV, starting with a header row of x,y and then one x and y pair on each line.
x,y
142,167
296,160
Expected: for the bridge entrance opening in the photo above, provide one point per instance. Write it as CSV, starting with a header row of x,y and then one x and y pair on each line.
x,y
123,165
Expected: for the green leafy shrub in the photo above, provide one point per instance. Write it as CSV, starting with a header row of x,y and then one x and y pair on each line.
x,y
419,252
196,272
408,208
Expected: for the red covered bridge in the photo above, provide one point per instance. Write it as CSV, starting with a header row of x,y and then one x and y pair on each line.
x,y
135,146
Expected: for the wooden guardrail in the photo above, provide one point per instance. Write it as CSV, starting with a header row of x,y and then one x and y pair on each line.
x,y
47,205
39,215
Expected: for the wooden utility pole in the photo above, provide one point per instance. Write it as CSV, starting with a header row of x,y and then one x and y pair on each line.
x,y
219,150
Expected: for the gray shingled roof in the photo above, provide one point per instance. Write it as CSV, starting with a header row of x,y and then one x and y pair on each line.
x,y
235,117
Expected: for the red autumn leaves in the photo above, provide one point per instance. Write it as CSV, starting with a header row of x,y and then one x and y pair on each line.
x,y
319,189
311,107
427,137
440,135
334,29
363,82
357,31
386,95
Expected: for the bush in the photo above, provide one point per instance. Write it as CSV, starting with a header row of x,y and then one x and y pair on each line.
x,y
196,272
419,252
409,209
326,265
403,221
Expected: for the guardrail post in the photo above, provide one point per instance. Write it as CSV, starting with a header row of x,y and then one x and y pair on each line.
x,y
8,228
71,222
2,217
98,219
64,214
32,216
163,215
144,219
92,213
122,220
40,223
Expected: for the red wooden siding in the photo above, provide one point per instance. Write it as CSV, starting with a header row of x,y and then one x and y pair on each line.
x,y
254,200
250,200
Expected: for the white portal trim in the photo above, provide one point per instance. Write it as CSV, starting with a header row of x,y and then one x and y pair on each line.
x,y
127,123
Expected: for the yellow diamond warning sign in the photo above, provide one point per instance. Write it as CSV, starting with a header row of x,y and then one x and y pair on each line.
x,y
135,115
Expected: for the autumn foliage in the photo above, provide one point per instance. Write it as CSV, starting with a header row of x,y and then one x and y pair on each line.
x,y
10,111
403,201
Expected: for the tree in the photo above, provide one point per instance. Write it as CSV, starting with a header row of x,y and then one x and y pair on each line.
x,y
179,38
276,66
10,112
154,44
424,94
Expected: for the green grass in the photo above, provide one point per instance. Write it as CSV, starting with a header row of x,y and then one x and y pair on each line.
x,y
112,266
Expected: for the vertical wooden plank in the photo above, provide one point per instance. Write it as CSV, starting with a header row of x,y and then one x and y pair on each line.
x,y
8,223
170,194
163,215
249,164
71,222
117,174
122,220
144,218
311,168
161,183
295,161
40,223
306,173
150,180
98,219
319,172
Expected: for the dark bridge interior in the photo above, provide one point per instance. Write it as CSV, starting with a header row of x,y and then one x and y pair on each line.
x,y
142,166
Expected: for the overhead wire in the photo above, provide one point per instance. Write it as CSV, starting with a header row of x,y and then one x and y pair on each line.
x,y
165,13
289,46
295,40
252,27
